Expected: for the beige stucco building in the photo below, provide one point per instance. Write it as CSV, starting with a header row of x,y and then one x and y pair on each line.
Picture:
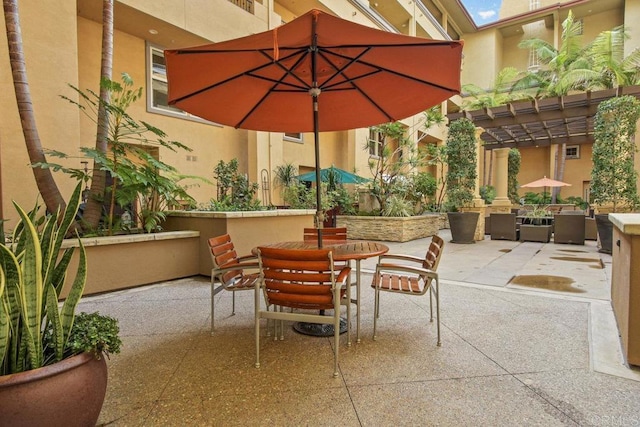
x,y
62,44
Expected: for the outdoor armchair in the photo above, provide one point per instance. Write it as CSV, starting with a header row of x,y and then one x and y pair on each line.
x,y
304,281
504,226
233,272
569,228
410,275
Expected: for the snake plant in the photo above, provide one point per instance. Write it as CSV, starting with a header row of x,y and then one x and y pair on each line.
x,y
34,326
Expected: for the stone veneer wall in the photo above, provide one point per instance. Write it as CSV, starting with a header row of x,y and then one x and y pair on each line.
x,y
391,229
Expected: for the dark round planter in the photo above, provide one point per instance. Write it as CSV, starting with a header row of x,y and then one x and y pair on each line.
x,y
605,233
68,393
463,226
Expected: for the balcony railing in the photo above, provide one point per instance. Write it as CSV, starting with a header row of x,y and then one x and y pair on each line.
x,y
244,4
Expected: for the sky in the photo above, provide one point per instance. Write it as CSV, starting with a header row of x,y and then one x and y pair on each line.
x,y
483,11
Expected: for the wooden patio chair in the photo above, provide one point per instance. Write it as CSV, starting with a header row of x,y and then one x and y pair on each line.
x,y
410,275
233,272
328,233
301,280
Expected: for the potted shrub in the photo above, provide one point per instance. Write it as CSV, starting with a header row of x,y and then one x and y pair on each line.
x,y
613,177
461,159
52,369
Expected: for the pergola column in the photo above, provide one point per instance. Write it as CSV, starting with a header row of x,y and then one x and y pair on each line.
x,y
478,204
501,166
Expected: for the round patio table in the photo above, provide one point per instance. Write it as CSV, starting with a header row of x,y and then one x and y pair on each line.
x,y
342,250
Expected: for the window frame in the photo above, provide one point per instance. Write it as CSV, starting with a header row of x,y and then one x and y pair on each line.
x,y
288,136
151,77
572,156
375,142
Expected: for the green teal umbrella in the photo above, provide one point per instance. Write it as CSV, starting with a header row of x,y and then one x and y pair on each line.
x,y
341,176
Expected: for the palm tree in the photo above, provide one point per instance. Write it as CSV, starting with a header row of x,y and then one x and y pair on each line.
x,y
564,69
610,66
47,187
93,209
500,94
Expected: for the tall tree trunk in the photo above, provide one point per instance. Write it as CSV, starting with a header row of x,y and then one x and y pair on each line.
x,y
490,175
561,160
47,187
93,209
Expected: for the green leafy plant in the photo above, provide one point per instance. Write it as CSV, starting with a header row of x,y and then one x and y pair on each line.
x,y
613,177
343,201
34,329
285,176
488,193
396,158
514,161
235,192
142,185
93,332
579,202
536,214
461,158
531,198
421,191
397,206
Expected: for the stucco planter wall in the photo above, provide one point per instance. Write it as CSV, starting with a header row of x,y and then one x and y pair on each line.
x,y
391,229
119,262
247,229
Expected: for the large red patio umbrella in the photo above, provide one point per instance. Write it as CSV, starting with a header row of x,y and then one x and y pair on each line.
x,y
316,73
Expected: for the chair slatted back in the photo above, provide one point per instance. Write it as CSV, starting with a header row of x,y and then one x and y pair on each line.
x,y
434,253
223,254
329,233
298,279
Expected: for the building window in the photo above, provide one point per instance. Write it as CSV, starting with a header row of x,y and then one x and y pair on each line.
x,y
290,136
580,24
572,152
534,4
376,142
157,87
534,60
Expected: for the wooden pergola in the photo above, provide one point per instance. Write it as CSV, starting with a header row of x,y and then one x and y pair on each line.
x,y
542,122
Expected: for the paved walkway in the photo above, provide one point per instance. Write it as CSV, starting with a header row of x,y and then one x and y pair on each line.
x,y
528,339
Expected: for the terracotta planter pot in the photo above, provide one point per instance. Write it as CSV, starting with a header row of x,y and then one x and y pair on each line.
x,y
68,393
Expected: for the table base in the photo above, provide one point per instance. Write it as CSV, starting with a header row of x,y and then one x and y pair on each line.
x,y
318,329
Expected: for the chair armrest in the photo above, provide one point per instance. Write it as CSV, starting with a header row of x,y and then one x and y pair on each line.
x,y
410,258
238,266
343,275
248,257
406,269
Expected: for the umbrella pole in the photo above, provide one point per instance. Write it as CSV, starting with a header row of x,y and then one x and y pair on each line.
x,y
315,91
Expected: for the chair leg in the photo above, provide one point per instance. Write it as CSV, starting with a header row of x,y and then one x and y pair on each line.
x,y
257,326
336,332
348,314
213,302
430,304
233,304
437,291
376,310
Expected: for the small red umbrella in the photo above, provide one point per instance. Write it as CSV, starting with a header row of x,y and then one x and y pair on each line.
x,y
315,73
545,182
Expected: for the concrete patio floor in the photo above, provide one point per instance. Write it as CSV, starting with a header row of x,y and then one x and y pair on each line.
x,y
511,354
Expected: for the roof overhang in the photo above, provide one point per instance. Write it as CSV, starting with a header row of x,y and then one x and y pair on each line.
x,y
542,122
